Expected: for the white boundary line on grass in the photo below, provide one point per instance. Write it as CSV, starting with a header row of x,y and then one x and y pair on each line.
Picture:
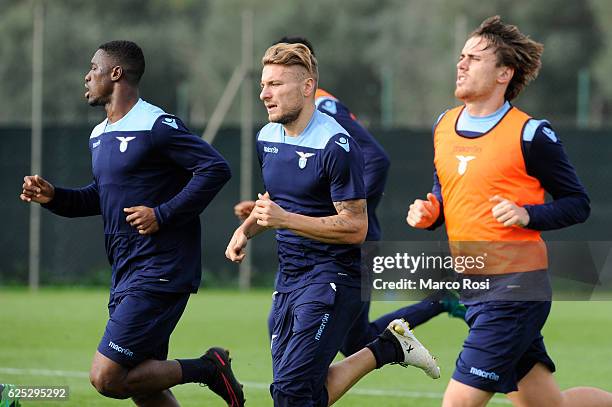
x,y
252,385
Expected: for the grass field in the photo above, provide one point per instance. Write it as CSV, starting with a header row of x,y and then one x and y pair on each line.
x,y
48,338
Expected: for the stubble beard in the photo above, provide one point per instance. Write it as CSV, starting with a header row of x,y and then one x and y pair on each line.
x,y
461,94
93,102
289,117
98,101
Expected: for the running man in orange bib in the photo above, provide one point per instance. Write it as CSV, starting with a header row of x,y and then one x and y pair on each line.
x,y
493,164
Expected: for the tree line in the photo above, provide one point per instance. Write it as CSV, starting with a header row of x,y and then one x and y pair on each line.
x,y
392,61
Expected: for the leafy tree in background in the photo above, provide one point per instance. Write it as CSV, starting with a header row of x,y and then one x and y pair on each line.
x,y
572,41
15,61
602,66
73,30
421,39
406,47
339,31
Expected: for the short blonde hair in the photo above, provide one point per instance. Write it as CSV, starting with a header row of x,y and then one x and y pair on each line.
x,y
292,54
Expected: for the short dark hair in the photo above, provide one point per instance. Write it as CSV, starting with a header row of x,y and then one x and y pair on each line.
x,y
513,49
129,56
296,40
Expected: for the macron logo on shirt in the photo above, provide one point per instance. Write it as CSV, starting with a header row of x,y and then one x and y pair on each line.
x,y
170,122
550,134
343,142
330,106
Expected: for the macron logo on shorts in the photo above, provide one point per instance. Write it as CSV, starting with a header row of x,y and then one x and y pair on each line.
x,y
119,349
483,374
324,322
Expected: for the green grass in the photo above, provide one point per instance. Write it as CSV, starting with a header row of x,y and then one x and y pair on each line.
x,y
58,330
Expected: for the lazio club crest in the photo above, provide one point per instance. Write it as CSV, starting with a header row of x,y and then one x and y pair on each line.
x,y
124,143
463,163
303,159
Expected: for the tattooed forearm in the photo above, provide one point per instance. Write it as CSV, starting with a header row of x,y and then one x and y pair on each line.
x,y
349,226
355,207
336,221
350,213
341,222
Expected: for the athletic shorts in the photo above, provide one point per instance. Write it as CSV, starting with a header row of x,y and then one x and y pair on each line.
x,y
310,325
140,324
503,344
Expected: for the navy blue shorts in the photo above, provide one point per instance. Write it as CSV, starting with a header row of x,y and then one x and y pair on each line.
x,y
503,344
310,325
359,335
140,325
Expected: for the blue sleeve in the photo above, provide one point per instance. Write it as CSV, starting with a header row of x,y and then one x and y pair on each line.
x,y
436,189
343,166
258,149
546,160
376,160
209,171
376,170
74,203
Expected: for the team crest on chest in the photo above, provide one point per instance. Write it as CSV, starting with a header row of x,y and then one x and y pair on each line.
x,y
303,159
124,143
463,163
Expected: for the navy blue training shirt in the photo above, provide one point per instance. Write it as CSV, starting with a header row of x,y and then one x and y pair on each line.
x,y
149,158
374,156
306,174
545,160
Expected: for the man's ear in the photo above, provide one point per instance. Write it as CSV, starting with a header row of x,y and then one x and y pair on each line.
x,y
505,75
309,87
116,73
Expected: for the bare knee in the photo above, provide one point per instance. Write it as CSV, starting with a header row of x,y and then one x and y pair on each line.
x,y
458,401
537,389
108,377
458,394
108,384
547,400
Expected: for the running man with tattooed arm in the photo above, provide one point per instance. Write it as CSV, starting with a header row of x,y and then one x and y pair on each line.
x,y
313,174
376,169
